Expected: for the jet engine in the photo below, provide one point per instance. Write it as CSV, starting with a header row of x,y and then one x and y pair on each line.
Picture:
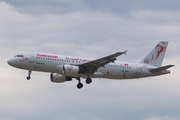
x,y
58,78
70,70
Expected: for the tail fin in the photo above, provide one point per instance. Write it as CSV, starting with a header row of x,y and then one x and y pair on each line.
x,y
156,56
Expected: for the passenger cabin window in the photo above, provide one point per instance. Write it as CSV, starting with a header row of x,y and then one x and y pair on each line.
x,y
18,56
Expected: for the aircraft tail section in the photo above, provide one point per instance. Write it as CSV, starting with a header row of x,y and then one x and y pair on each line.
x,y
156,56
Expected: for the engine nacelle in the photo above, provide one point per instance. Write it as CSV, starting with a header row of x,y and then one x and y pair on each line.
x,y
57,78
70,70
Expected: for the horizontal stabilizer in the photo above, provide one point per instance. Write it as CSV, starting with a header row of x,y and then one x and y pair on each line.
x,y
160,68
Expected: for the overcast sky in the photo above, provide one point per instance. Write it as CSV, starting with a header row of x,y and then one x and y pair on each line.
x,y
89,28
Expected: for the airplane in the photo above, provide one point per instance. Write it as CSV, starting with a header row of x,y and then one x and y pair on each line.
x,y
64,68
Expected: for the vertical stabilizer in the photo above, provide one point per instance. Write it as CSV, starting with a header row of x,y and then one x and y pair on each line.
x,y
156,56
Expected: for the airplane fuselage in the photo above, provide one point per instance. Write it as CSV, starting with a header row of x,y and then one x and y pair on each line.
x,y
54,63
65,68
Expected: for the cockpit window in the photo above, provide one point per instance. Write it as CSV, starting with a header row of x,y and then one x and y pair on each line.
x,y
18,56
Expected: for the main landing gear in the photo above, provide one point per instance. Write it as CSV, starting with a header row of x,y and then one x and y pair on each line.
x,y
88,80
29,75
80,85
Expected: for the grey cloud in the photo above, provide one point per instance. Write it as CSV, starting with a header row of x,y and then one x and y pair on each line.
x,y
81,29
47,6
111,100
90,34
122,7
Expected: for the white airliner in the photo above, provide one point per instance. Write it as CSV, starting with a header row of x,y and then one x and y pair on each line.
x,y
64,68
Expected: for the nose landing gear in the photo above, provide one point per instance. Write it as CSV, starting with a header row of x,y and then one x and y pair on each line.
x,y
29,75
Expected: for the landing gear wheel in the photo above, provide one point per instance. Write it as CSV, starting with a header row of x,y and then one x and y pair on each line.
x,y
28,77
88,80
79,85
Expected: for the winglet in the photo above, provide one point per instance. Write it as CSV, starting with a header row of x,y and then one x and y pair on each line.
x,y
125,52
120,53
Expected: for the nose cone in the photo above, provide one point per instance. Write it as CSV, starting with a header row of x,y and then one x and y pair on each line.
x,y
14,63
10,62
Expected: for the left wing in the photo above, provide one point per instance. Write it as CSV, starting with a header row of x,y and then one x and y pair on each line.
x,y
92,66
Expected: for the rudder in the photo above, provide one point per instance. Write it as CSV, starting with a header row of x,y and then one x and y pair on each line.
x,y
156,56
